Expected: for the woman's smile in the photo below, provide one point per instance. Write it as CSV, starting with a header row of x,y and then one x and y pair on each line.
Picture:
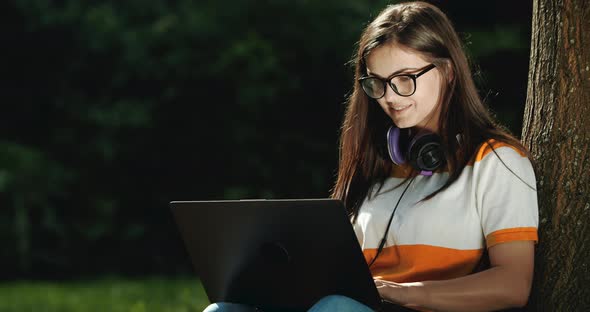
x,y
400,108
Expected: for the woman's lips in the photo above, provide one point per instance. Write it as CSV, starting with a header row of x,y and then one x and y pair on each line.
x,y
395,111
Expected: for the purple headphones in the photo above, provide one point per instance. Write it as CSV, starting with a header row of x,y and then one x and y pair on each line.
x,y
424,151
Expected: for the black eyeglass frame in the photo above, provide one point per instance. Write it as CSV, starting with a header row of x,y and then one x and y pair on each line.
x,y
389,80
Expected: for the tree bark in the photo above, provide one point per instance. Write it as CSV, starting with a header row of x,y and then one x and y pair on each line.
x,y
556,129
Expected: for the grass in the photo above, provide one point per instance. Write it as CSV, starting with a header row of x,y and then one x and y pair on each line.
x,y
109,294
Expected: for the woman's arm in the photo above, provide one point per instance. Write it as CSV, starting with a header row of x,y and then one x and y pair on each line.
x,y
506,284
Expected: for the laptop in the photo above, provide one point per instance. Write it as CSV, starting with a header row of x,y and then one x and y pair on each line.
x,y
276,255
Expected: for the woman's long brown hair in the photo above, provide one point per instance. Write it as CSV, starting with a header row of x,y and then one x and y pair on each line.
x,y
423,28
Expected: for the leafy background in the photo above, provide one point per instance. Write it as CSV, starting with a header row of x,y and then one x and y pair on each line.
x,y
111,109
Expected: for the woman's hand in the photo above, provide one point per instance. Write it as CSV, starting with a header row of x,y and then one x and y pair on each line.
x,y
404,294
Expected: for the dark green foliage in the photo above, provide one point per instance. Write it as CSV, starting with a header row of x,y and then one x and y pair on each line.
x,y
112,109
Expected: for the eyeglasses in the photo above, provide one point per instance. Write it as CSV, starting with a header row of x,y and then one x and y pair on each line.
x,y
402,84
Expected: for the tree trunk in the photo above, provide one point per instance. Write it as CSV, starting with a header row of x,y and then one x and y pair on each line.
x,y
556,129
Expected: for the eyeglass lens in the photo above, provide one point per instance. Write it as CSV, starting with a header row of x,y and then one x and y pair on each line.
x,y
375,88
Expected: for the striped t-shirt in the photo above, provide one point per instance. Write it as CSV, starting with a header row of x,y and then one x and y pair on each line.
x,y
445,237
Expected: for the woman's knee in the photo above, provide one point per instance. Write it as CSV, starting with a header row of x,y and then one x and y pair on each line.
x,y
339,303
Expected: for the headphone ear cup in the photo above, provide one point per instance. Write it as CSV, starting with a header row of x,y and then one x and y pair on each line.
x,y
394,147
426,152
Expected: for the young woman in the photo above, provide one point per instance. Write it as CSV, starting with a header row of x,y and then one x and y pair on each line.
x,y
442,200
423,163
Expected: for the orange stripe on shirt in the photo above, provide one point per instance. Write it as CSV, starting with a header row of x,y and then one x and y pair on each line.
x,y
513,234
485,149
412,263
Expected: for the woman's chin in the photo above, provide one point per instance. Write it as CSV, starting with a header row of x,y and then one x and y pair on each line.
x,y
402,124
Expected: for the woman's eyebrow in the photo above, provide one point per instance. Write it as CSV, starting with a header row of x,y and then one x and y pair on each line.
x,y
394,73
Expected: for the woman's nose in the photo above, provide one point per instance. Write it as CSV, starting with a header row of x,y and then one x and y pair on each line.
x,y
390,95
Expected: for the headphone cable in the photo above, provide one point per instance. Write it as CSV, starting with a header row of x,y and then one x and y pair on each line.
x,y
384,239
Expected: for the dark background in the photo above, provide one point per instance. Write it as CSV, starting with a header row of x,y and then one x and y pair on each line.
x,y
111,109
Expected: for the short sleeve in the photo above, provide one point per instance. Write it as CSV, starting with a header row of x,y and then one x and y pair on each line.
x,y
506,196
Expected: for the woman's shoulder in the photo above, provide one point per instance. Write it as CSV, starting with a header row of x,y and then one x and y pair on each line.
x,y
501,161
491,148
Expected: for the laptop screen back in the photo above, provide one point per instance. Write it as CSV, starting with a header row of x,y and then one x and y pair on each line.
x,y
275,254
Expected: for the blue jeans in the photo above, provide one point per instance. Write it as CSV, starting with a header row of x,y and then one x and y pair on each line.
x,y
326,304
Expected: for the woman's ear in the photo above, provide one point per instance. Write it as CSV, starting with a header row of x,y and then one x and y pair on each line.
x,y
450,71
